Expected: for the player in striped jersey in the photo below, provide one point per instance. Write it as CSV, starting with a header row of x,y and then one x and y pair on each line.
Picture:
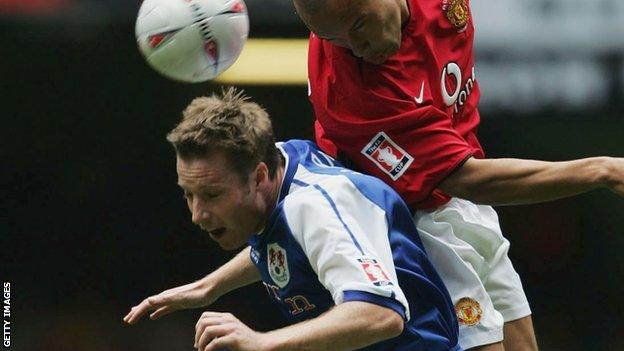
x,y
337,250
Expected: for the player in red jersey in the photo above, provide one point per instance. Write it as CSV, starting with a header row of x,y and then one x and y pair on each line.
x,y
394,90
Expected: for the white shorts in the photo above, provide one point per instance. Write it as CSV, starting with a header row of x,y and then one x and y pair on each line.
x,y
465,244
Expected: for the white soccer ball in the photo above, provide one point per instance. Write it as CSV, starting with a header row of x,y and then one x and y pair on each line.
x,y
191,40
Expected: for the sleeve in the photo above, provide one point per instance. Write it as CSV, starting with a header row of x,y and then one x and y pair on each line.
x,y
345,238
413,151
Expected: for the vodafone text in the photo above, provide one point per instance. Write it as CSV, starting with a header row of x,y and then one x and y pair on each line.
x,y
459,96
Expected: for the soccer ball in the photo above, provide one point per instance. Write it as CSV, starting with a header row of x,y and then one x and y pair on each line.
x,y
191,40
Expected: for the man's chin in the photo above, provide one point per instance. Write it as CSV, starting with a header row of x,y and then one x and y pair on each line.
x,y
229,246
377,60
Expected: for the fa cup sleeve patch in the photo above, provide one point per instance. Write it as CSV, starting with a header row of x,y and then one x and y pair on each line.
x,y
387,155
374,272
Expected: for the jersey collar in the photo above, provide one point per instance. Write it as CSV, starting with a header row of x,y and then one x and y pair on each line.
x,y
290,168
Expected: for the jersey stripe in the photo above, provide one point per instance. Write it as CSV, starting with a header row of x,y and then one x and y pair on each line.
x,y
333,206
299,182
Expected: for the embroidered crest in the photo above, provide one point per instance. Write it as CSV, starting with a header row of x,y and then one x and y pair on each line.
x,y
456,12
468,311
374,272
278,264
387,155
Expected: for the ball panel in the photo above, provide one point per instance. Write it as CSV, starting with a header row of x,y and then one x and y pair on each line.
x,y
191,40
183,57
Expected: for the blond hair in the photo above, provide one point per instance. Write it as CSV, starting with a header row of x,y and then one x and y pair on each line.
x,y
227,123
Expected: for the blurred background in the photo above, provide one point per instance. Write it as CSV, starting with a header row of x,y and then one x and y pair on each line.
x,y
92,220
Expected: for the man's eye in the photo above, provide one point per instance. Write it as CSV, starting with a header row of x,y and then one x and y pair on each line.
x,y
187,195
210,195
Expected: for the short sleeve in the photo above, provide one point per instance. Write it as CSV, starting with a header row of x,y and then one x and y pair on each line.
x,y
413,154
345,238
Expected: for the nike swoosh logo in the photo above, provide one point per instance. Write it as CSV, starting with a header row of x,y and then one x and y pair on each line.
x,y
419,98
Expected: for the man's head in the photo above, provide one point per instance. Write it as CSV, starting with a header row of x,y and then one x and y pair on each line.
x,y
227,164
369,28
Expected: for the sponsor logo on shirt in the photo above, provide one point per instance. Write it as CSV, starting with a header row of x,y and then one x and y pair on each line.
x,y
468,311
452,76
278,264
374,272
387,155
296,304
420,98
456,11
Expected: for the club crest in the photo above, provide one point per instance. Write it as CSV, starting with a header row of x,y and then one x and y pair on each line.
x,y
456,12
278,265
468,311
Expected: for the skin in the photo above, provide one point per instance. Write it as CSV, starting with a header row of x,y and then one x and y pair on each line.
x,y
515,181
371,29
236,273
227,206
232,208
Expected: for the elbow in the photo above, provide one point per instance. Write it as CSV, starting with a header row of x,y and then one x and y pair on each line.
x,y
466,181
393,325
603,170
464,190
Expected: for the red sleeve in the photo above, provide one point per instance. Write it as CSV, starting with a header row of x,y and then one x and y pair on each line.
x,y
413,153
390,120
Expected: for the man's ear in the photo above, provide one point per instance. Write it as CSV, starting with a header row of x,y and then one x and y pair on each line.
x,y
261,174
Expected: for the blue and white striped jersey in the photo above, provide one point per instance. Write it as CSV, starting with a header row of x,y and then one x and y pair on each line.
x,y
336,236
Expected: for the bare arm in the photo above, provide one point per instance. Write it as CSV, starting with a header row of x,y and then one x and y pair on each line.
x,y
508,181
238,272
348,326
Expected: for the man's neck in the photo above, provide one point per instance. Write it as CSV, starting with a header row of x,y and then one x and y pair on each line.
x,y
273,192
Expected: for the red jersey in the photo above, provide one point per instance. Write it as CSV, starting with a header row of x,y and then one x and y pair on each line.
x,y
412,120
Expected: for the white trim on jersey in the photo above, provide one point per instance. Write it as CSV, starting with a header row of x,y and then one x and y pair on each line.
x,y
343,234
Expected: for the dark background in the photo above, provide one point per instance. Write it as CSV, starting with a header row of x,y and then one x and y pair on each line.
x,y
92,219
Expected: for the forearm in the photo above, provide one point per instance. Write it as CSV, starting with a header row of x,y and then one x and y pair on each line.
x,y
236,273
348,326
516,181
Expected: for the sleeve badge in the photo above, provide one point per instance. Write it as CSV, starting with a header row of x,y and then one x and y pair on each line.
x,y
374,272
387,155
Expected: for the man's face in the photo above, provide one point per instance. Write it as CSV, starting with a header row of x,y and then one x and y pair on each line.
x,y
371,29
221,203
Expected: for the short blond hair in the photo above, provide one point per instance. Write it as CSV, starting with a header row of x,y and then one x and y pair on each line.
x,y
230,123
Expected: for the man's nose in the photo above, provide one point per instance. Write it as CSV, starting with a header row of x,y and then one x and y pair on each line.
x,y
199,213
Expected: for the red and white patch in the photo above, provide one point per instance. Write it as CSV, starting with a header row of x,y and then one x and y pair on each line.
x,y
374,272
387,155
278,264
